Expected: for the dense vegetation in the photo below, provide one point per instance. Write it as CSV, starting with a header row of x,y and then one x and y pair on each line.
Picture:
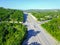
x,y
10,14
53,27
11,33
46,14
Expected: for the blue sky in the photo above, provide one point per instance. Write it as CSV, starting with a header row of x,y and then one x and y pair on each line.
x,y
30,4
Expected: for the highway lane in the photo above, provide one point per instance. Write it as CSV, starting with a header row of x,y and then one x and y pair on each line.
x,y
41,34
43,38
32,33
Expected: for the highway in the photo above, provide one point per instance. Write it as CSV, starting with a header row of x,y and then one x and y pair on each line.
x,y
36,34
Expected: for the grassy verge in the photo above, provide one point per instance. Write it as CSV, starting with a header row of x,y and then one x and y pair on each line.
x,y
53,27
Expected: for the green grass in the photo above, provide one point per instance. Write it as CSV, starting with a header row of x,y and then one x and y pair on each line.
x,y
12,34
53,27
46,15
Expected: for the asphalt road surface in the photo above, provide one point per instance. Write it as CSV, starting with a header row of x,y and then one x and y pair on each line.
x,y
36,34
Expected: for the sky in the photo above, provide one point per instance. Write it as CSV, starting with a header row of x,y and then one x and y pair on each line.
x,y
30,4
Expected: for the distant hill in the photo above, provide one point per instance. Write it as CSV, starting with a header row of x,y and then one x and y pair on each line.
x,y
39,10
